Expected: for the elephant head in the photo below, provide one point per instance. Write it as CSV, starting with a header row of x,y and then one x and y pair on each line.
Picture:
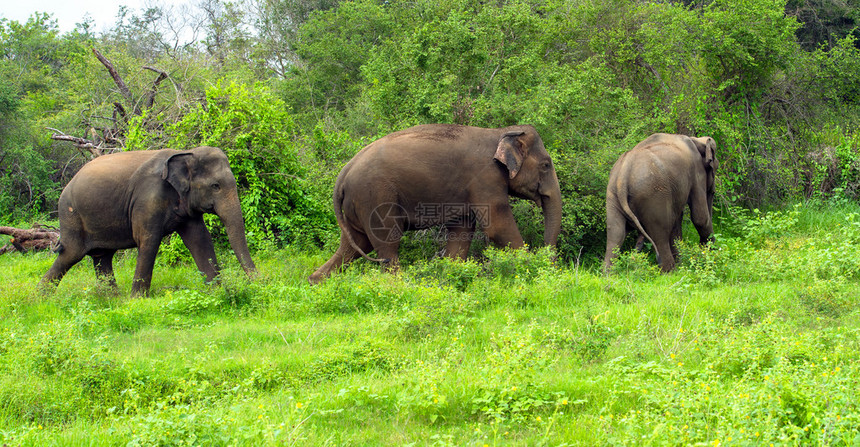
x,y
531,176
205,184
707,148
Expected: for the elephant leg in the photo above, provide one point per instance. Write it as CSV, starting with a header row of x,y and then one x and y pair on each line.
x,y
147,250
665,257
660,223
700,214
389,252
343,256
616,231
103,265
196,237
459,241
386,225
677,235
501,227
640,242
68,257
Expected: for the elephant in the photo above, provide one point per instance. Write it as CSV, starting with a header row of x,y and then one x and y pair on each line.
x,y
456,176
135,199
650,185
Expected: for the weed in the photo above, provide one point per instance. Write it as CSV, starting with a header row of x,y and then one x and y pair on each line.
x,y
519,265
634,265
828,297
447,272
172,252
511,391
191,302
349,359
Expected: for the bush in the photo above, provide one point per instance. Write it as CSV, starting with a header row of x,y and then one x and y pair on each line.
x,y
259,137
509,265
447,272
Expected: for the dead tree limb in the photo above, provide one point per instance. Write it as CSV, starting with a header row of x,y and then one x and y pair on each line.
x,y
117,79
150,95
36,238
106,139
119,110
81,143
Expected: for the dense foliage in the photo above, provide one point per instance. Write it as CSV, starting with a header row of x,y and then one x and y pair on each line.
x,y
292,89
751,342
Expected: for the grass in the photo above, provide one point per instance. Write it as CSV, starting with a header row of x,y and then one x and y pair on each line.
x,y
752,342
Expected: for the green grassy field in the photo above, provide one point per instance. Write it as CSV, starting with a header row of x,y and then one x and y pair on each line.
x,y
753,342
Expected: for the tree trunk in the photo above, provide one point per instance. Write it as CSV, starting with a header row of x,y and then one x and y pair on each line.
x,y
36,238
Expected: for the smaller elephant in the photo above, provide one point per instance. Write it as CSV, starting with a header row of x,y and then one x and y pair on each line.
x,y
135,199
650,185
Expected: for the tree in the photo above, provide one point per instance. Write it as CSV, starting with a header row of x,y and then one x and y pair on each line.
x,y
226,34
277,23
824,22
155,32
32,56
135,105
332,46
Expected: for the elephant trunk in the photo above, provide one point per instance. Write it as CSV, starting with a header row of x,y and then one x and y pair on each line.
x,y
231,215
551,204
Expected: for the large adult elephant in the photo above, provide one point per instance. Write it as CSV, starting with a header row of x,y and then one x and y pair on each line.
x,y
650,185
134,199
440,174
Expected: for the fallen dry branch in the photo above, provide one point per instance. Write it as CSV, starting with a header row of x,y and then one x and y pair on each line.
x,y
80,143
37,238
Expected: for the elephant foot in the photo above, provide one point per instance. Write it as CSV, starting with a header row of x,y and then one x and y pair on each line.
x,y
46,288
316,278
391,265
139,291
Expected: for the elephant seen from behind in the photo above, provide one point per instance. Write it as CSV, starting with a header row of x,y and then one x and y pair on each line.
x,y
460,177
650,185
135,199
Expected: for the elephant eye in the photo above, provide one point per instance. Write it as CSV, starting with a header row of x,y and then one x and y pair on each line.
x,y
546,166
216,187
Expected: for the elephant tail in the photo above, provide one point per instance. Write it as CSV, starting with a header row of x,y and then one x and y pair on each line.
x,y
344,227
625,208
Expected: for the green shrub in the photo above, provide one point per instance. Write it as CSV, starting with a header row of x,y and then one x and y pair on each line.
x,y
191,302
761,227
259,136
447,272
509,265
635,265
350,358
172,252
705,265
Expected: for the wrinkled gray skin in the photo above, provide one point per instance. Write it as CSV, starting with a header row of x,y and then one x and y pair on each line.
x,y
650,185
438,174
134,199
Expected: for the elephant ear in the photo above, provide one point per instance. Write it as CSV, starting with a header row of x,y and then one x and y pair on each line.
x,y
177,172
511,152
707,149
